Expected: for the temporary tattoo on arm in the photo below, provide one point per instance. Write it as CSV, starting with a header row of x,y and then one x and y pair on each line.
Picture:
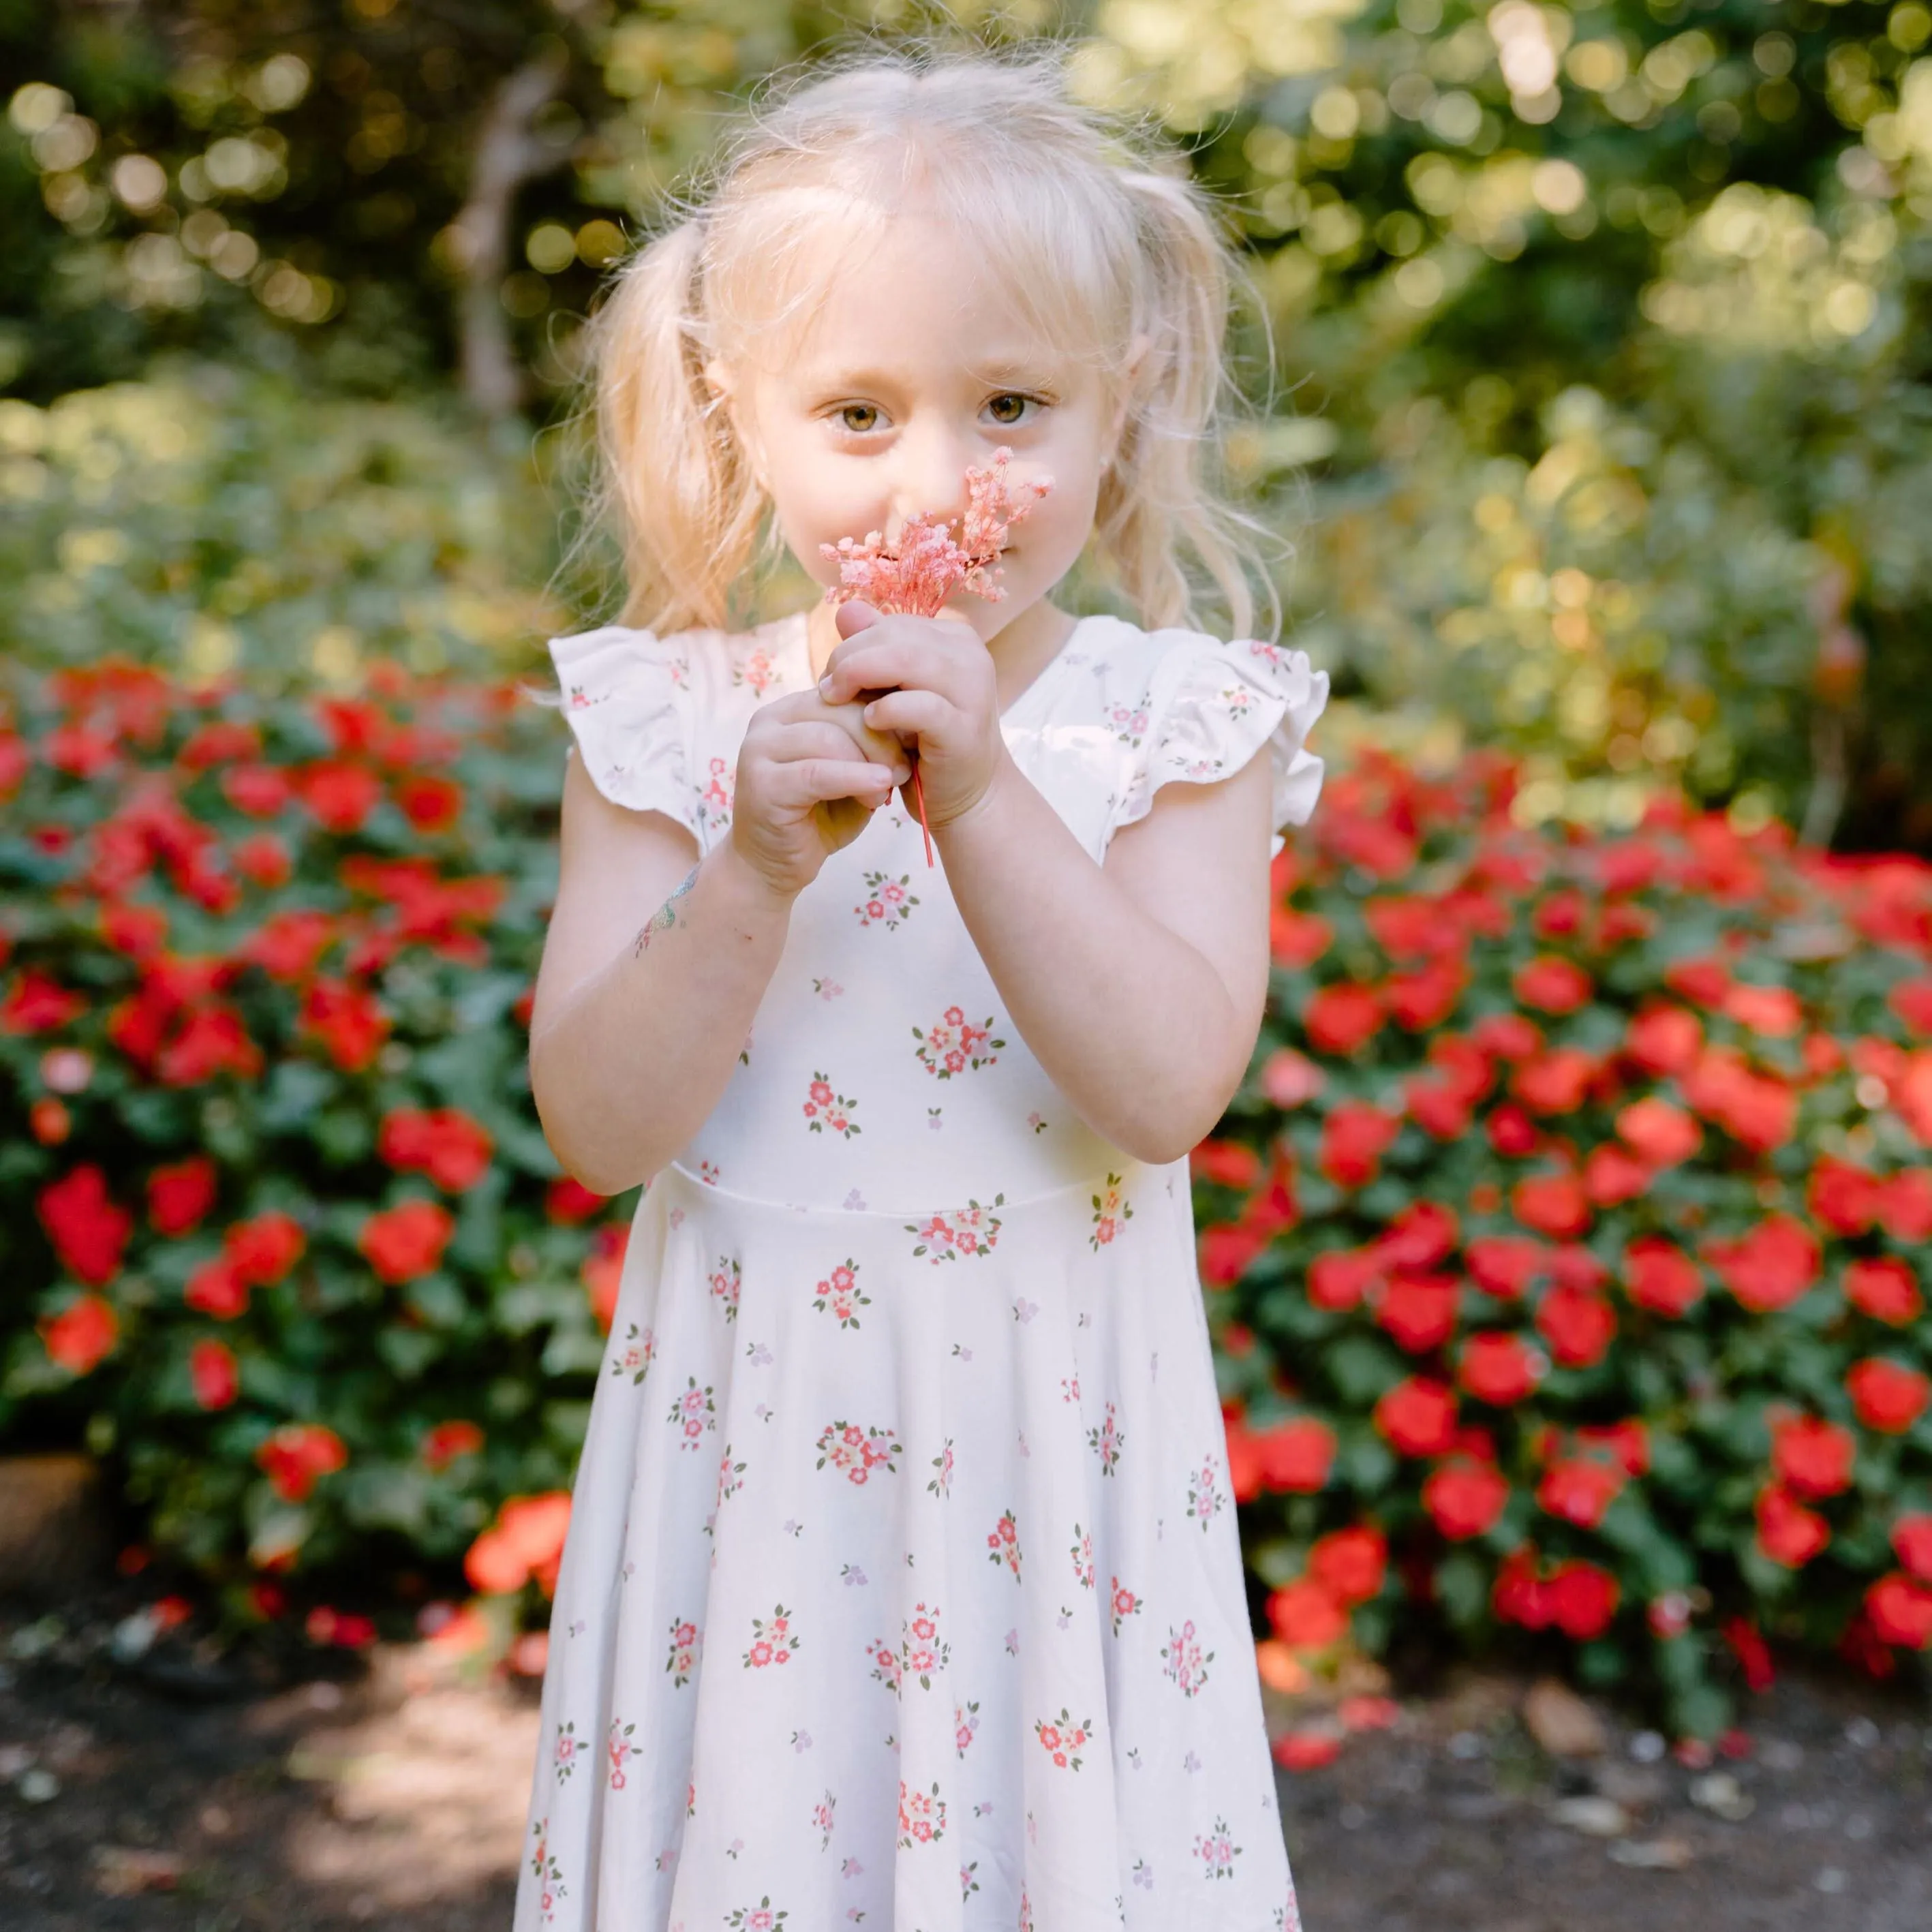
x,y
665,917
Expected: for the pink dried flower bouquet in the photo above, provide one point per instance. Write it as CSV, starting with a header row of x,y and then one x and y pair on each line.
x,y
915,574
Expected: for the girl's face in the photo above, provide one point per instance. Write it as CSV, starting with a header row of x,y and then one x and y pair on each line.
x,y
912,369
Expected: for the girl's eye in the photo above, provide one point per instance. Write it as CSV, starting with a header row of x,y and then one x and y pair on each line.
x,y
1021,402
849,409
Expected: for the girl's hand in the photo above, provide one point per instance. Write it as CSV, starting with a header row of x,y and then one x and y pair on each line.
x,y
940,696
810,776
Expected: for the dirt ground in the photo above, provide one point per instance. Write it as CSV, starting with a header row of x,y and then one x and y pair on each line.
x,y
392,1796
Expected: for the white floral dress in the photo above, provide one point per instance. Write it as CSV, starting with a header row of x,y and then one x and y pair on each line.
x,y
902,1586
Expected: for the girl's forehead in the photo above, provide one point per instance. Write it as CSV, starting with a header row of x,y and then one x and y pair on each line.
x,y
856,286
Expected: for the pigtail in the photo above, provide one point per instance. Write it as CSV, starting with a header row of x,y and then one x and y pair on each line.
x,y
673,485
1155,500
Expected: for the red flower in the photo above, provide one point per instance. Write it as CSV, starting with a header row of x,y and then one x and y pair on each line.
x,y
1552,1204
1297,940
1905,1205
443,1443
1753,1654
569,1201
446,1143
1518,1596
1703,982
348,1021
1305,1616
1557,1081
1338,1280
1889,1397
1773,1011
1628,1441
1419,1311
1911,1537
1579,1326
1341,1019
603,1270
1812,1455
1417,1416
263,1249
1769,1267
1425,998
1612,1177
287,944
1504,1265
220,741
264,860
405,1241
37,1003
1886,1289
1663,1039
212,1040
1354,1136
1580,1492
259,791
1552,984
1510,1037
1422,1234
1436,1108
81,1334
431,804
297,1456
1901,1610
1580,1599
1225,1163
1661,1277
1226,1251
1758,1111
1662,1134
1845,1197
180,1195
1296,1455
340,796
1512,1133
1350,1563
1306,1749
1500,1369
1465,1498
213,1375
88,1230
218,1288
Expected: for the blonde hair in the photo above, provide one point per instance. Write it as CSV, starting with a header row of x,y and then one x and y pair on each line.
x,y
1098,235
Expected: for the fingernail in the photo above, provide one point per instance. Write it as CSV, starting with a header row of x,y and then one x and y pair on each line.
x,y
825,685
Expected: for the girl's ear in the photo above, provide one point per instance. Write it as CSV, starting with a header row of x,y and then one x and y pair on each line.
x,y
722,381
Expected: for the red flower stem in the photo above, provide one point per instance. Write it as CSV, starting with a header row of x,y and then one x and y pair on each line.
x,y
919,799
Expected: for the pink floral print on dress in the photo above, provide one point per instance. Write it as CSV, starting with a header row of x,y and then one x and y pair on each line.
x,y
1107,1438
681,1663
839,1294
924,1653
1121,1601
1183,1660
1217,1851
888,902
1109,1211
857,1451
1003,1542
954,1045
921,1816
727,1280
694,1412
970,1231
1083,1557
773,1639
619,1750
633,1359
549,1875
1062,1739
1204,1497
824,1108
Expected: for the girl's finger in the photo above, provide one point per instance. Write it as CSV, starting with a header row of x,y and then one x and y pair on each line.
x,y
807,782
832,738
910,665
908,712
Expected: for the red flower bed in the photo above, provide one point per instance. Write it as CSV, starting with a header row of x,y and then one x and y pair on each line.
x,y
285,1240
1593,1244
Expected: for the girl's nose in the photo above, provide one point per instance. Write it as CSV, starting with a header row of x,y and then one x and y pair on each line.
x,y
930,478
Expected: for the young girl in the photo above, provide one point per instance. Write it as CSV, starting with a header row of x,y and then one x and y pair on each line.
x,y
903,1586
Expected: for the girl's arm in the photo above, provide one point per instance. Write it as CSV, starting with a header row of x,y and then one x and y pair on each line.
x,y
1139,986
652,975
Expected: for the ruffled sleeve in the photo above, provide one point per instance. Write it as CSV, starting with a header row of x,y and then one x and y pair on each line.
x,y
1210,706
628,697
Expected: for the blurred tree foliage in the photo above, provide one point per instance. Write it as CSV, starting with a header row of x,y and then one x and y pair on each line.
x,y
1607,430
